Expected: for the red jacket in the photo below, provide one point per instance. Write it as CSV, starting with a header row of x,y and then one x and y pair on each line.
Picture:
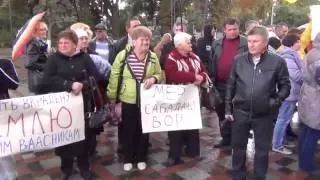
x,y
181,69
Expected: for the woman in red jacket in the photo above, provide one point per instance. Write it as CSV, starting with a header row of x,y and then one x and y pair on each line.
x,y
184,67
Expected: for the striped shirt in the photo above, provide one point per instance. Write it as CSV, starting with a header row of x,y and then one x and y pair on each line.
x,y
136,66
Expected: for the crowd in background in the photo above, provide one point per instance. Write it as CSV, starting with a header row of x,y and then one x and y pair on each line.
x,y
259,75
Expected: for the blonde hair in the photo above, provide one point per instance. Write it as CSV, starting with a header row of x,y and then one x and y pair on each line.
x,y
82,26
40,25
141,31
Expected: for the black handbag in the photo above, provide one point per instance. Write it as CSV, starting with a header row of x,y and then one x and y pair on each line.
x,y
101,114
210,97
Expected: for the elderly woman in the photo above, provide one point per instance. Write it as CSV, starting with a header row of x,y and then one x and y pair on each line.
x,y
184,67
37,57
135,65
308,109
104,68
68,70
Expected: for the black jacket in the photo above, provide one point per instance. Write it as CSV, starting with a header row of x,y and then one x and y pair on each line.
x,y
35,61
120,44
112,50
204,46
216,48
61,71
257,89
36,56
8,78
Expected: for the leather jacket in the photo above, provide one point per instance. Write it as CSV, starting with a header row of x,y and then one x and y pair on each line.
x,y
257,89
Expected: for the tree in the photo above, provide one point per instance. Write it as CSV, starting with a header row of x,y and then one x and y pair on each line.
x,y
110,9
58,12
165,22
219,10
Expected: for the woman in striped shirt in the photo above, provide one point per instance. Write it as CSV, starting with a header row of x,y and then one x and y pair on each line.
x,y
134,65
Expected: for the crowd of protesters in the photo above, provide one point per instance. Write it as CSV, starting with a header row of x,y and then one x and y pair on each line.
x,y
260,76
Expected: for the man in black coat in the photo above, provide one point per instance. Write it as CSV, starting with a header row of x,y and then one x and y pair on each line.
x,y
124,41
222,55
258,83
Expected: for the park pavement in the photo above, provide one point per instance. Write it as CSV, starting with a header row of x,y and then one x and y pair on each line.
x,y
213,163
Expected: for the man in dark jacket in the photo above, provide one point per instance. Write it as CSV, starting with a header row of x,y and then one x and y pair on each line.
x,y
102,45
223,52
122,42
258,83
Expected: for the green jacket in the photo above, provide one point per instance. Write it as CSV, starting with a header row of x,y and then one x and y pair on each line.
x,y
129,90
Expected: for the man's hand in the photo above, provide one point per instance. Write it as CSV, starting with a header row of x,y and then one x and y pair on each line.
x,y
229,117
77,87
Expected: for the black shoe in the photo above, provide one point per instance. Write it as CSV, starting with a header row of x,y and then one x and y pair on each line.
x,y
222,143
86,175
172,162
65,176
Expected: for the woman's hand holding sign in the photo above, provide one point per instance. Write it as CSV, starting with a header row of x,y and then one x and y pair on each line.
x,y
149,82
77,87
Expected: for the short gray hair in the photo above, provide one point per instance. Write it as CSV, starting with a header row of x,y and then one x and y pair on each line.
x,y
250,24
259,30
181,37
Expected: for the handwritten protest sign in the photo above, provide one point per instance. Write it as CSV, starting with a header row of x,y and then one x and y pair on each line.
x,y
40,122
170,108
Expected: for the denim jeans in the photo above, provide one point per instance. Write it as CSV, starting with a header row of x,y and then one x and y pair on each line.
x,y
286,112
307,147
7,168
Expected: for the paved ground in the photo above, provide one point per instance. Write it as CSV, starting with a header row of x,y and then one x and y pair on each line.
x,y
213,164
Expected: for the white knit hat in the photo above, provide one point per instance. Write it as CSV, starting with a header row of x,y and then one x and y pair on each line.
x,y
81,33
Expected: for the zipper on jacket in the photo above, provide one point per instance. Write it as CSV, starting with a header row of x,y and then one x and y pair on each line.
x,y
252,89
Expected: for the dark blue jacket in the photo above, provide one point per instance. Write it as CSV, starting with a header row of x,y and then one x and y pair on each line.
x,y
8,78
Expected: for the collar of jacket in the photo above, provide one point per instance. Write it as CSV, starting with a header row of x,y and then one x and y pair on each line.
x,y
262,57
243,41
153,57
66,56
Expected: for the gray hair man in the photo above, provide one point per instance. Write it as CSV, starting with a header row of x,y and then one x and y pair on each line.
x,y
258,83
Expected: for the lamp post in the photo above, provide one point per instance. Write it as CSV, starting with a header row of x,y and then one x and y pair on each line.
x,y
272,11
